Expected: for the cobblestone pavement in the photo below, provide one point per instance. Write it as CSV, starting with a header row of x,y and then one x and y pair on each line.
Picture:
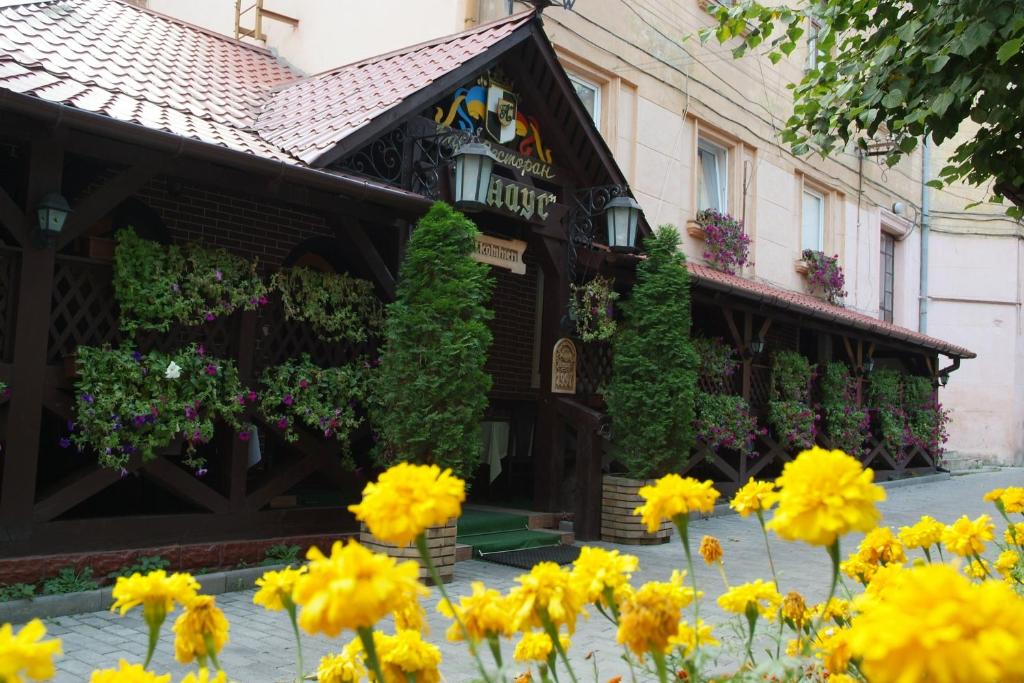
x,y
262,648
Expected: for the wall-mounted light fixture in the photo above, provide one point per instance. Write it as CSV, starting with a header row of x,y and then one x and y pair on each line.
x,y
52,211
474,162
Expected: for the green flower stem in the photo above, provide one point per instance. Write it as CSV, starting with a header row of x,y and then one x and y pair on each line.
x,y
290,608
659,663
833,552
927,555
424,551
552,632
751,624
154,620
682,523
543,669
941,558
366,636
981,564
492,640
767,546
211,651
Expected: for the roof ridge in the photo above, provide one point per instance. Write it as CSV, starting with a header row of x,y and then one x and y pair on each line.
x,y
419,46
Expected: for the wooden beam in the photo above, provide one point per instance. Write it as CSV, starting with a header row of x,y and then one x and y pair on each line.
x,y
178,481
74,490
14,219
288,477
106,198
355,233
734,331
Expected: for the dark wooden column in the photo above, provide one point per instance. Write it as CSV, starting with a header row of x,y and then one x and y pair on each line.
x,y
239,448
17,495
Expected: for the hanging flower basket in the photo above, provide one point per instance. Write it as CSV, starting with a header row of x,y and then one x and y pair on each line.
x,y
592,308
726,244
825,275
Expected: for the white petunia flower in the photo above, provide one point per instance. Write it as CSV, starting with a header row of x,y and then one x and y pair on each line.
x,y
173,371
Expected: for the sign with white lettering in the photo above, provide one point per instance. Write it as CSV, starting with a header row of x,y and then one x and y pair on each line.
x,y
563,367
521,201
507,254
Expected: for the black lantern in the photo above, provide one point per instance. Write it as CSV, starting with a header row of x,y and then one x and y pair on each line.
x,y
757,347
622,214
869,365
944,379
53,210
474,162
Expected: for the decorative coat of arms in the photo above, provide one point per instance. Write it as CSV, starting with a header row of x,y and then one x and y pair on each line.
x,y
500,124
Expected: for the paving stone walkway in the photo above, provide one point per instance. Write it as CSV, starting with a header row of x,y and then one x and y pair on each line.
x,y
261,649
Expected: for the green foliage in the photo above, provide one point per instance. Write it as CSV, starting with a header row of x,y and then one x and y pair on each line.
x,y
128,403
157,285
431,388
336,305
591,306
793,422
323,399
716,363
724,421
654,366
846,424
883,396
142,565
918,67
925,418
791,376
16,591
281,554
70,581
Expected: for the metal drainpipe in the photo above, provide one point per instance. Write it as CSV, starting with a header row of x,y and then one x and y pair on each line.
x,y
926,206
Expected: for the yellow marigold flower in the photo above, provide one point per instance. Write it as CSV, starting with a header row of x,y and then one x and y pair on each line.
x,y
881,547
1011,499
710,549
841,678
407,499
688,637
966,537
353,588
883,579
1014,533
651,616
276,588
406,656
547,588
794,610
597,570
935,625
156,592
837,610
824,495
346,667
755,496
411,616
127,673
794,648
536,646
1007,560
204,676
832,647
201,620
858,569
978,570
759,595
484,613
25,653
672,496
926,533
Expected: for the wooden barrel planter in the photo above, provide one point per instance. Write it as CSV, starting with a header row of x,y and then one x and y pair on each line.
x,y
620,497
440,541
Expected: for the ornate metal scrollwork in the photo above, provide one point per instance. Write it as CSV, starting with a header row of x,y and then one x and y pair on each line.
x,y
587,206
431,155
382,159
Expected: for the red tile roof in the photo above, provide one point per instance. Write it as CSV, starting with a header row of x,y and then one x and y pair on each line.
x,y
813,306
140,67
313,115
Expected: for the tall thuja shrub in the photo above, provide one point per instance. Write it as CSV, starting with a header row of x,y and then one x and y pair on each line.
x,y
654,367
789,410
845,423
431,389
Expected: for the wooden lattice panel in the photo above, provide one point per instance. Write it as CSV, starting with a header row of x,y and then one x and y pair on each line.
x,y
10,260
281,340
595,368
760,385
83,310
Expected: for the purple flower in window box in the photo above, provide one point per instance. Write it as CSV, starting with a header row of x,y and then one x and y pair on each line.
x,y
726,244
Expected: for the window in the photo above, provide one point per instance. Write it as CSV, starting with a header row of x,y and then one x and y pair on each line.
x,y
812,46
590,95
489,10
887,278
813,221
712,185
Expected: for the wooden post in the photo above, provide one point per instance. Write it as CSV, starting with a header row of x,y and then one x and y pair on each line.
x,y
748,359
240,449
17,495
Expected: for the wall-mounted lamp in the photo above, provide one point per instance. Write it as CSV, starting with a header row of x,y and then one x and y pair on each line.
x,y
622,214
757,347
474,162
944,379
869,365
53,211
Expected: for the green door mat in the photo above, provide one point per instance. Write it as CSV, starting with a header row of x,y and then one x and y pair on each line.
x,y
492,532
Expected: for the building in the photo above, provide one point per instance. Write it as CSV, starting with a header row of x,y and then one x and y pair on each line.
x,y
139,119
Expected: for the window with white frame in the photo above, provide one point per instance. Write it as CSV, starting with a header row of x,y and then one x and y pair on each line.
x,y
712,176
812,235
887,278
812,45
590,95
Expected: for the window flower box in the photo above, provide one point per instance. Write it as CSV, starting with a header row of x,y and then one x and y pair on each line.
x,y
800,266
695,230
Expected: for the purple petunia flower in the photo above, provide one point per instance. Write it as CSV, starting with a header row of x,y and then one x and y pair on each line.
x,y
282,423
244,435
211,370
287,400
252,396
218,276
210,317
139,420
64,442
241,399
201,472
303,384
262,300
200,350
88,398
136,356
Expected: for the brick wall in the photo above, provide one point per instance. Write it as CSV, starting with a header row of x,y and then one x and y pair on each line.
x,y
510,362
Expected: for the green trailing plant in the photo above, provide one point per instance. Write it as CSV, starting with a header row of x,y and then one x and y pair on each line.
x,y
430,391
654,366
789,412
132,403
724,421
846,424
716,363
883,397
926,419
338,306
159,285
70,581
142,565
591,307
325,400
17,591
282,554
